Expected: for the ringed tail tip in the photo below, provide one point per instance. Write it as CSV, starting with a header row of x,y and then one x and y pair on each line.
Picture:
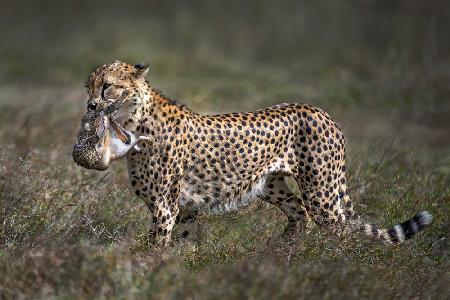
x,y
406,230
423,218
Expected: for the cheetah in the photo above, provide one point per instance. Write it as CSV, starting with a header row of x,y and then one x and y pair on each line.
x,y
182,163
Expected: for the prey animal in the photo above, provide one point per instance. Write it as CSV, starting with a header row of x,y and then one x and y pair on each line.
x,y
115,141
182,163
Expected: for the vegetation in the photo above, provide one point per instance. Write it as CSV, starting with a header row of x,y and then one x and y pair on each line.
x,y
380,69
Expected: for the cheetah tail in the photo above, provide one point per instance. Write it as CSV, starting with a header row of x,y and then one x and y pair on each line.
x,y
400,232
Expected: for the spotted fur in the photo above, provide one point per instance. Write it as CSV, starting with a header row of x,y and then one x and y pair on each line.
x,y
213,163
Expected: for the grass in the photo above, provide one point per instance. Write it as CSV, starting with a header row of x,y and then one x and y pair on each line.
x,y
71,233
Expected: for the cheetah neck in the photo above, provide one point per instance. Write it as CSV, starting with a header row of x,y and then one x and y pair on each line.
x,y
156,108
155,115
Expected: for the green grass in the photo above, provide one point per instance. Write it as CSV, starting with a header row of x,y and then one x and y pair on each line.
x,y
67,232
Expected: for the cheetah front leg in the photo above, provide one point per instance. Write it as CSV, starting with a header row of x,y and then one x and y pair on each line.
x,y
164,209
186,223
161,227
155,178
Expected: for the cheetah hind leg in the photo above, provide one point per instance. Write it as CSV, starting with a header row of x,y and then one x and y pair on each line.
x,y
283,194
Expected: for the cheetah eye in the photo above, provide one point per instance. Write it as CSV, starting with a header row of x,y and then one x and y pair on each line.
x,y
104,88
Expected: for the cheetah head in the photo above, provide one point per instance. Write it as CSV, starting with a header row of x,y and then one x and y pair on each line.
x,y
115,91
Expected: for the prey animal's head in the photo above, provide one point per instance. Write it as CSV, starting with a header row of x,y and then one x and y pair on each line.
x,y
107,128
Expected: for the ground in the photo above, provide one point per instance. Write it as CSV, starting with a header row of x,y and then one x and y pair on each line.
x,y
67,231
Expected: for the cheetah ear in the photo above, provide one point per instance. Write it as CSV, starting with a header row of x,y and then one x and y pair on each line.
x,y
141,70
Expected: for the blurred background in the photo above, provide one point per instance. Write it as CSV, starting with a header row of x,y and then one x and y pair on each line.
x,y
381,68
388,56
